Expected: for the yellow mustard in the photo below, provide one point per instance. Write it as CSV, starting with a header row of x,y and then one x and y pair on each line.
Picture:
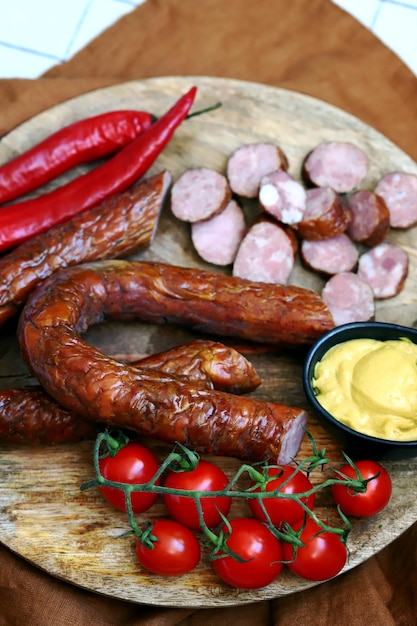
x,y
371,386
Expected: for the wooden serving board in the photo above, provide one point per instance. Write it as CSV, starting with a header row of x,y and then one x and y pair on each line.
x,y
73,535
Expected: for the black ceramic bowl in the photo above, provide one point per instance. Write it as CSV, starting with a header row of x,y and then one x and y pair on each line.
x,y
356,444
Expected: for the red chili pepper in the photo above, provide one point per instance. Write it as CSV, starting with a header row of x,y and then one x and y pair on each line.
x,y
22,220
83,141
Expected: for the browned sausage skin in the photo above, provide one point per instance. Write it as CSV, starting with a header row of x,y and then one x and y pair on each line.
x,y
210,362
118,226
326,215
150,402
29,416
209,302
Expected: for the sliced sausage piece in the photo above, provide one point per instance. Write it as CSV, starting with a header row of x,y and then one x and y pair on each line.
x,y
337,164
385,269
198,194
330,256
399,190
370,218
282,197
249,163
326,214
349,298
217,239
266,254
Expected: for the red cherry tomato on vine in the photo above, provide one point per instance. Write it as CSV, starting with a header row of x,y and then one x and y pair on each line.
x,y
370,502
323,556
261,552
283,509
176,550
133,464
205,477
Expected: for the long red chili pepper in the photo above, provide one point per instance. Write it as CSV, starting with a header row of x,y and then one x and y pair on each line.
x,y
22,220
83,141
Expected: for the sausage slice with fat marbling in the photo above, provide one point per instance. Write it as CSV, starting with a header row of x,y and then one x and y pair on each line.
x,y
249,163
282,197
370,218
340,165
330,256
399,191
198,194
217,239
266,253
349,298
385,269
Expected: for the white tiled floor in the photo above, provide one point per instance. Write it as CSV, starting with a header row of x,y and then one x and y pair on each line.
x,y
63,27
393,21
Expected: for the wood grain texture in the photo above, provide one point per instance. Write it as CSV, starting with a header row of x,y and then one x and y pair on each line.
x,y
73,535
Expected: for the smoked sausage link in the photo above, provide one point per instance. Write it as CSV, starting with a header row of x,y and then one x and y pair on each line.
x,y
118,226
155,404
29,416
206,361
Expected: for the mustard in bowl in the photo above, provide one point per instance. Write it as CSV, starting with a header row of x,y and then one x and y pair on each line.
x,y
361,381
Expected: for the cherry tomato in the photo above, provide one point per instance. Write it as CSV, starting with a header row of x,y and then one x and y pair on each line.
x,y
252,541
374,499
133,464
323,556
283,509
176,551
205,477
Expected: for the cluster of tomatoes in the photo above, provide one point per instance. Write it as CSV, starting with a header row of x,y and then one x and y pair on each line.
x,y
280,530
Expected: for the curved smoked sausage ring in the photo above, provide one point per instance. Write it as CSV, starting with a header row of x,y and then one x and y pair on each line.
x,y
29,416
154,404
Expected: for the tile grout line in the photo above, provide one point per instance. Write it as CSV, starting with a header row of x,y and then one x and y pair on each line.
x,y
33,51
399,3
84,14
375,16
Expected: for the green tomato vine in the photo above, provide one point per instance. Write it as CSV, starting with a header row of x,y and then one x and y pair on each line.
x,y
183,459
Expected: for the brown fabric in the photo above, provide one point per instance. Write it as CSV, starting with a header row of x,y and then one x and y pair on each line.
x,y
312,47
304,45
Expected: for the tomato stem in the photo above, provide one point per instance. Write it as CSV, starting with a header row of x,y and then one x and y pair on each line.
x,y
183,459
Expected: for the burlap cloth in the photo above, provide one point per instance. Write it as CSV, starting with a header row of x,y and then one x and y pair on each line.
x,y
310,46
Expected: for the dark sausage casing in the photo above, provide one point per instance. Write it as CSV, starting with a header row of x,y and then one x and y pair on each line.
x,y
209,362
152,403
120,225
29,416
